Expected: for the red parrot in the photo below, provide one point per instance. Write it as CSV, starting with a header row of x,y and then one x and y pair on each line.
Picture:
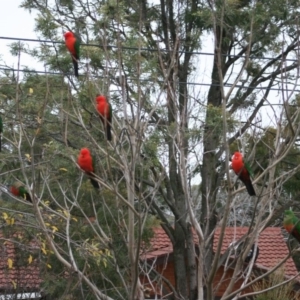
x,y
86,163
19,190
242,171
105,112
292,224
73,45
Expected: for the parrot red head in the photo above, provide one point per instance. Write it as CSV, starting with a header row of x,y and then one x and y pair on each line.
x,y
85,160
100,99
14,190
85,151
237,156
68,34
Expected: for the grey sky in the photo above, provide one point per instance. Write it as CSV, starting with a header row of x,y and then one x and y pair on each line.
x,y
15,22
18,22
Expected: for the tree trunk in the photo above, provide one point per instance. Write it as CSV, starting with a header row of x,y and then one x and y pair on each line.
x,y
211,142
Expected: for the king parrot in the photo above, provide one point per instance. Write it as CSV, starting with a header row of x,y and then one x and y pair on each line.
x,y
292,224
19,190
73,45
86,163
105,112
242,171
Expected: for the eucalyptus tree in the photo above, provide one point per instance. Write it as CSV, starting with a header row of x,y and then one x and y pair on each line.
x,y
168,132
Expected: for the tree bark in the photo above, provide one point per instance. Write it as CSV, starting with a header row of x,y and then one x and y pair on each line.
x,y
211,142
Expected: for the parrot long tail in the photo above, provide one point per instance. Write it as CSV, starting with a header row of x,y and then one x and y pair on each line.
x,y
108,132
75,64
27,197
94,182
107,127
250,188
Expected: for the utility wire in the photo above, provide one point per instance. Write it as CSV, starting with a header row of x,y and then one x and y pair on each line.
x,y
144,49
158,81
139,49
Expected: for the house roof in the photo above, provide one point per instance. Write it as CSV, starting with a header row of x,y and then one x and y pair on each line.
x,y
272,247
22,274
160,245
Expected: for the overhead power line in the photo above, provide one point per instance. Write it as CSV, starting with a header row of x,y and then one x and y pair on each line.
x,y
158,81
138,49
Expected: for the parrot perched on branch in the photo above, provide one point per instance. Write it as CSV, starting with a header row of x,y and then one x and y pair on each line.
x,y
243,172
292,224
86,163
19,190
105,112
73,45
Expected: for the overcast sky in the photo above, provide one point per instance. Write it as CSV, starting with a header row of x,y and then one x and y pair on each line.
x,y
19,23
15,22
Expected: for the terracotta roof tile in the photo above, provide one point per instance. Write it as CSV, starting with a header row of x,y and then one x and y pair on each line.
x,y
21,275
272,247
160,245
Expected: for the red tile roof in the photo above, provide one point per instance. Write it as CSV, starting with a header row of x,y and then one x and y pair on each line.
x,y
160,244
272,247
21,275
